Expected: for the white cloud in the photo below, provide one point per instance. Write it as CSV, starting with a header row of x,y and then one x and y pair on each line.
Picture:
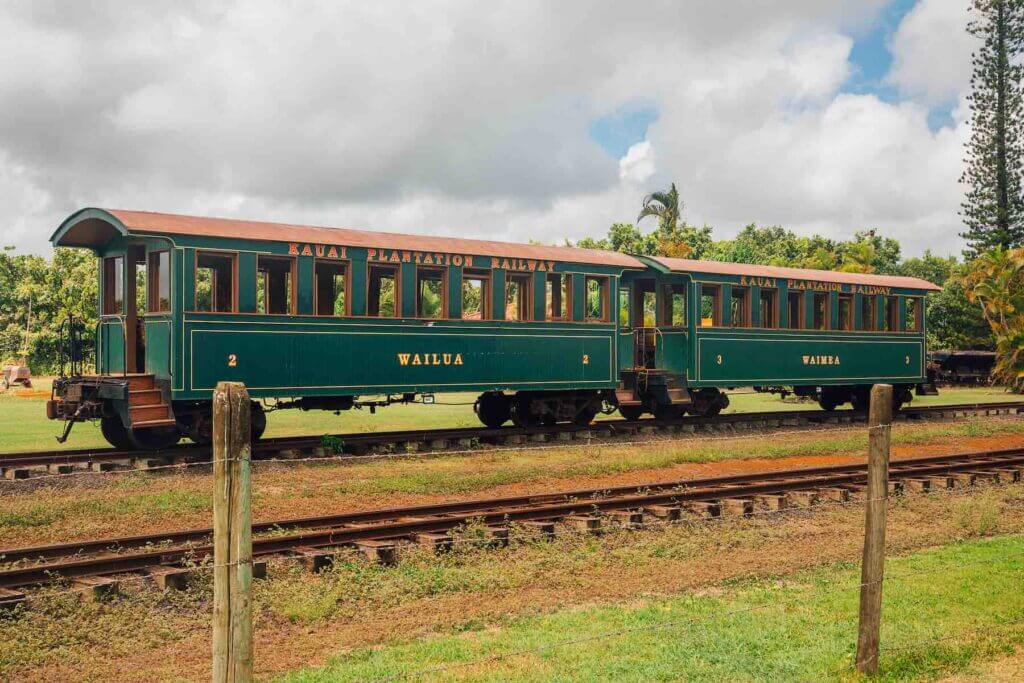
x,y
441,118
932,50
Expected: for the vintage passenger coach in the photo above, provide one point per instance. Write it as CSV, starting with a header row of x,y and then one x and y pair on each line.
x,y
335,319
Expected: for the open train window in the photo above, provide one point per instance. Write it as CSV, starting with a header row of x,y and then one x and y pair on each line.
x,y
382,291
644,303
113,285
867,312
139,272
710,305
673,313
331,288
795,306
518,296
215,282
821,310
558,296
623,306
891,313
431,293
768,301
846,312
596,288
159,281
476,295
913,322
739,307
275,285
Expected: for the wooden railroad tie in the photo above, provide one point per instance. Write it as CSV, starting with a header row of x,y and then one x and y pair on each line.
x,y
666,512
170,578
590,524
737,507
705,508
438,541
545,528
631,519
383,552
315,559
773,502
10,598
97,588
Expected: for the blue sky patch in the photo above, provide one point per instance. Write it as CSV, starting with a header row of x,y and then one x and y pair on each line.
x,y
623,128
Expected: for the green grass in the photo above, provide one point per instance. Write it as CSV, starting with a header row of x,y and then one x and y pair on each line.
x,y
24,427
966,594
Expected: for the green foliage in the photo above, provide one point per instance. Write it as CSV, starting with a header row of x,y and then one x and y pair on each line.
x,y
995,281
36,295
993,210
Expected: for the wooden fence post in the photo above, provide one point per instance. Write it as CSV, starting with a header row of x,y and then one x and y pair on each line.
x,y
873,564
232,535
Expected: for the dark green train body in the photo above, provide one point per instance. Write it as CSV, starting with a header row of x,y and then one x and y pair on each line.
x,y
323,318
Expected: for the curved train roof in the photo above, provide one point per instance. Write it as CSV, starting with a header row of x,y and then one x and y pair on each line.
x,y
683,265
86,228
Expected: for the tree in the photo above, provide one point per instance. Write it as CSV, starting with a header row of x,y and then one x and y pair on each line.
x,y
993,210
995,281
665,206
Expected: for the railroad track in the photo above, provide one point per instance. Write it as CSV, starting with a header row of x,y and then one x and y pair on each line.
x,y
168,558
18,466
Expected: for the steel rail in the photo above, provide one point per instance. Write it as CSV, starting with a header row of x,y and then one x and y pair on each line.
x,y
135,553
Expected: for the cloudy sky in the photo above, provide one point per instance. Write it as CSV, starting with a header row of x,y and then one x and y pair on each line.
x,y
502,120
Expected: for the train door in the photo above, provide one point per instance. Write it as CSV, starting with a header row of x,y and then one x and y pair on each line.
x,y
135,309
644,318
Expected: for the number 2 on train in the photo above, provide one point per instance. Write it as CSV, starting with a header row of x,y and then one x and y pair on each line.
x,y
232,360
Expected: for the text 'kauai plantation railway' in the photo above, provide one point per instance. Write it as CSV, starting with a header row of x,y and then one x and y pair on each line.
x,y
322,318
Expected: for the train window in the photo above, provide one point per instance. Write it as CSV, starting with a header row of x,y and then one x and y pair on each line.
x,y
769,307
476,295
558,296
518,302
674,306
382,291
867,312
795,306
331,288
846,312
159,281
710,305
275,285
215,282
431,296
821,310
739,307
913,314
113,285
596,289
623,306
891,317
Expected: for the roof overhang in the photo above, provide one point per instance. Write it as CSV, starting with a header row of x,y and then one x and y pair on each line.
x,y
88,228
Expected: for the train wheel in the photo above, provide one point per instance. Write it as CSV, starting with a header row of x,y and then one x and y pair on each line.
x,y
669,413
258,421
493,408
114,432
522,416
155,438
631,413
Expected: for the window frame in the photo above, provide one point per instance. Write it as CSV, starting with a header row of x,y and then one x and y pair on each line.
x,y
826,316
293,270
869,325
801,312
233,256
152,284
915,304
891,313
849,319
773,293
486,293
442,277
111,285
605,288
627,292
525,280
716,304
343,263
566,304
747,312
397,270
668,293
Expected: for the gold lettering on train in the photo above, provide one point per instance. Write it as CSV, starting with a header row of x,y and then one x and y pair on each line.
x,y
429,358
821,360
432,258
321,250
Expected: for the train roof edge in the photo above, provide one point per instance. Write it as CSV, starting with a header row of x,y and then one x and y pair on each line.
x,y
83,229
681,265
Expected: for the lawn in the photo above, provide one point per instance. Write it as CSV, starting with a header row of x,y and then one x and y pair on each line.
x,y
943,608
24,427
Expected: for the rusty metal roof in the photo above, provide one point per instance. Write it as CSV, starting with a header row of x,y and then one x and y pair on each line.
x,y
173,224
682,265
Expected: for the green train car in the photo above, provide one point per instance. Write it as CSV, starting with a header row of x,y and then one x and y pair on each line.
x,y
320,318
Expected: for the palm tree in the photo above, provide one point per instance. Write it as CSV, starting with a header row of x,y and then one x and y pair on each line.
x,y
666,206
